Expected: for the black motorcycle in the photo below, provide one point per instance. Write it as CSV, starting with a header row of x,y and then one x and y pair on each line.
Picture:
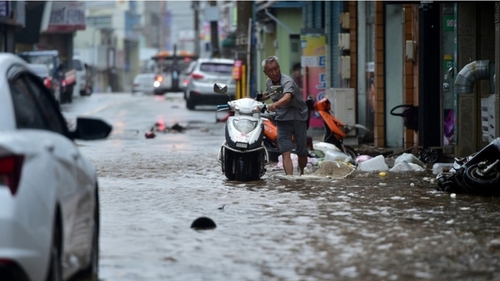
x,y
478,173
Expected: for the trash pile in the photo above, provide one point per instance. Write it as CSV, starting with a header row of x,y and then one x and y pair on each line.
x,y
328,161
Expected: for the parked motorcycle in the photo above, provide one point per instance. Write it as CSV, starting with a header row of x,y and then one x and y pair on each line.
x,y
335,130
242,154
478,173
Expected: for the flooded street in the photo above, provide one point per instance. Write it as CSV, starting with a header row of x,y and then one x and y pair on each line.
x,y
363,228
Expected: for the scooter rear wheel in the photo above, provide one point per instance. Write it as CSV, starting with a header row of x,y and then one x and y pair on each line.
x,y
351,152
477,180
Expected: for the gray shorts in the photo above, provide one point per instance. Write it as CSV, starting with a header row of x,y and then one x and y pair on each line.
x,y
299,131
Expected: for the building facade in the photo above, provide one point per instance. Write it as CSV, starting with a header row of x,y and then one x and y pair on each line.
x,y
390,54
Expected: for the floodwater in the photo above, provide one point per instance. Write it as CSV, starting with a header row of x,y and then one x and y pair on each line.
x,y
363,228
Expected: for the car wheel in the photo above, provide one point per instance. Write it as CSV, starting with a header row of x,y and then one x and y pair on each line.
x,y
68,95
190,104
92,271
55,269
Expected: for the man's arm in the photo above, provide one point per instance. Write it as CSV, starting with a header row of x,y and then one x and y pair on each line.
x,y
285,99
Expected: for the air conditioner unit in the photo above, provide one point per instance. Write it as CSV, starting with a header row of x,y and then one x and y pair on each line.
x,y
343,105
345,67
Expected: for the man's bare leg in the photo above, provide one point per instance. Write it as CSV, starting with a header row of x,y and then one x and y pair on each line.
x,y
287,163
302,163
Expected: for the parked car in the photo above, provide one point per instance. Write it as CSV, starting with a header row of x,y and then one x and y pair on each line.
x,y
144,83
51,58
206,72
49,195
187,76
83,85
42,71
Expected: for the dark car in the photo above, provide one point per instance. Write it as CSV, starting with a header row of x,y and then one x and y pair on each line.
x,y
51,59
42,71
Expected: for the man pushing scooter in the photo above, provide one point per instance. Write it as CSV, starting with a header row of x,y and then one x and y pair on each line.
x,y
291,115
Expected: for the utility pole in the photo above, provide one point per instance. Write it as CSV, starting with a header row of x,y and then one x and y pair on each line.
x,y
243,43
161,45
195,5
214,30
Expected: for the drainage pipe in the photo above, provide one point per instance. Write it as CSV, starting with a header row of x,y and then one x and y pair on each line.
x,y
471,73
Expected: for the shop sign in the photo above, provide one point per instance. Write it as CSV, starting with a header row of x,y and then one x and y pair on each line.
x,y
67,16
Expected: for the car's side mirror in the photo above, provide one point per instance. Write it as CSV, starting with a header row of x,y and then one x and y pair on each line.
x,y
90,129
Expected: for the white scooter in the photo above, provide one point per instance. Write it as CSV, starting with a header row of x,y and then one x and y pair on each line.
x,y
243,156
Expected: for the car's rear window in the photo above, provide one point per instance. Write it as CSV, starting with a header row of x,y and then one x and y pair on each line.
x,y
77,65
217,67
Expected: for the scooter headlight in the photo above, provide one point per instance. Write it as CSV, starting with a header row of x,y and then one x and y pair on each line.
x,y
244,125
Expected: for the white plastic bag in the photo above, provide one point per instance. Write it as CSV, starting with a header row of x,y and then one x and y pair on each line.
x,y
375,164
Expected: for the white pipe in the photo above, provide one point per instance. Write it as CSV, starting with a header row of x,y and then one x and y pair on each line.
x,y
279,22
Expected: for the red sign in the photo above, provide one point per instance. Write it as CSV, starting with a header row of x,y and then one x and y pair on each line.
x,y
237,70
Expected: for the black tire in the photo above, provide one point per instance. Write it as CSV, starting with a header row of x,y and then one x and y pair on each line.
x,y
351,152
55,268
243,167
92,271
69,94
248,167
428,155
228,164
190,104
482,183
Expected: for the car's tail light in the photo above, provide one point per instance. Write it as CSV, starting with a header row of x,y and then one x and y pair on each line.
x,y
10,171
47,82
197,76
159,78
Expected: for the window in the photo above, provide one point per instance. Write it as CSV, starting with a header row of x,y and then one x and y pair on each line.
x,y
77,64
48,106
216,67
27,114
34,107
99,21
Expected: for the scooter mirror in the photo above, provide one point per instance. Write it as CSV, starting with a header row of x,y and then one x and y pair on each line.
x,y
220,88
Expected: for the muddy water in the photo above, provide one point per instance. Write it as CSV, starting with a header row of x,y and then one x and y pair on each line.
x,y
364,228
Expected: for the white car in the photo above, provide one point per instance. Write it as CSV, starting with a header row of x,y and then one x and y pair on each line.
x,y
144,83
199,89
49,207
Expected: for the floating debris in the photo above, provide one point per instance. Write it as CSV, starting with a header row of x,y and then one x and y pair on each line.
x,y
203,223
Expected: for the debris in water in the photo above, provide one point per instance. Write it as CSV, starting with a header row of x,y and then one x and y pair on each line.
x,y
203,223
150,134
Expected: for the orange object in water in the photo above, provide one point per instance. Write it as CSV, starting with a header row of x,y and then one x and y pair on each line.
x,y
335,125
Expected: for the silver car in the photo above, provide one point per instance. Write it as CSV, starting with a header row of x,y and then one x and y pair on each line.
x,y
144,83
49,193
206,72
